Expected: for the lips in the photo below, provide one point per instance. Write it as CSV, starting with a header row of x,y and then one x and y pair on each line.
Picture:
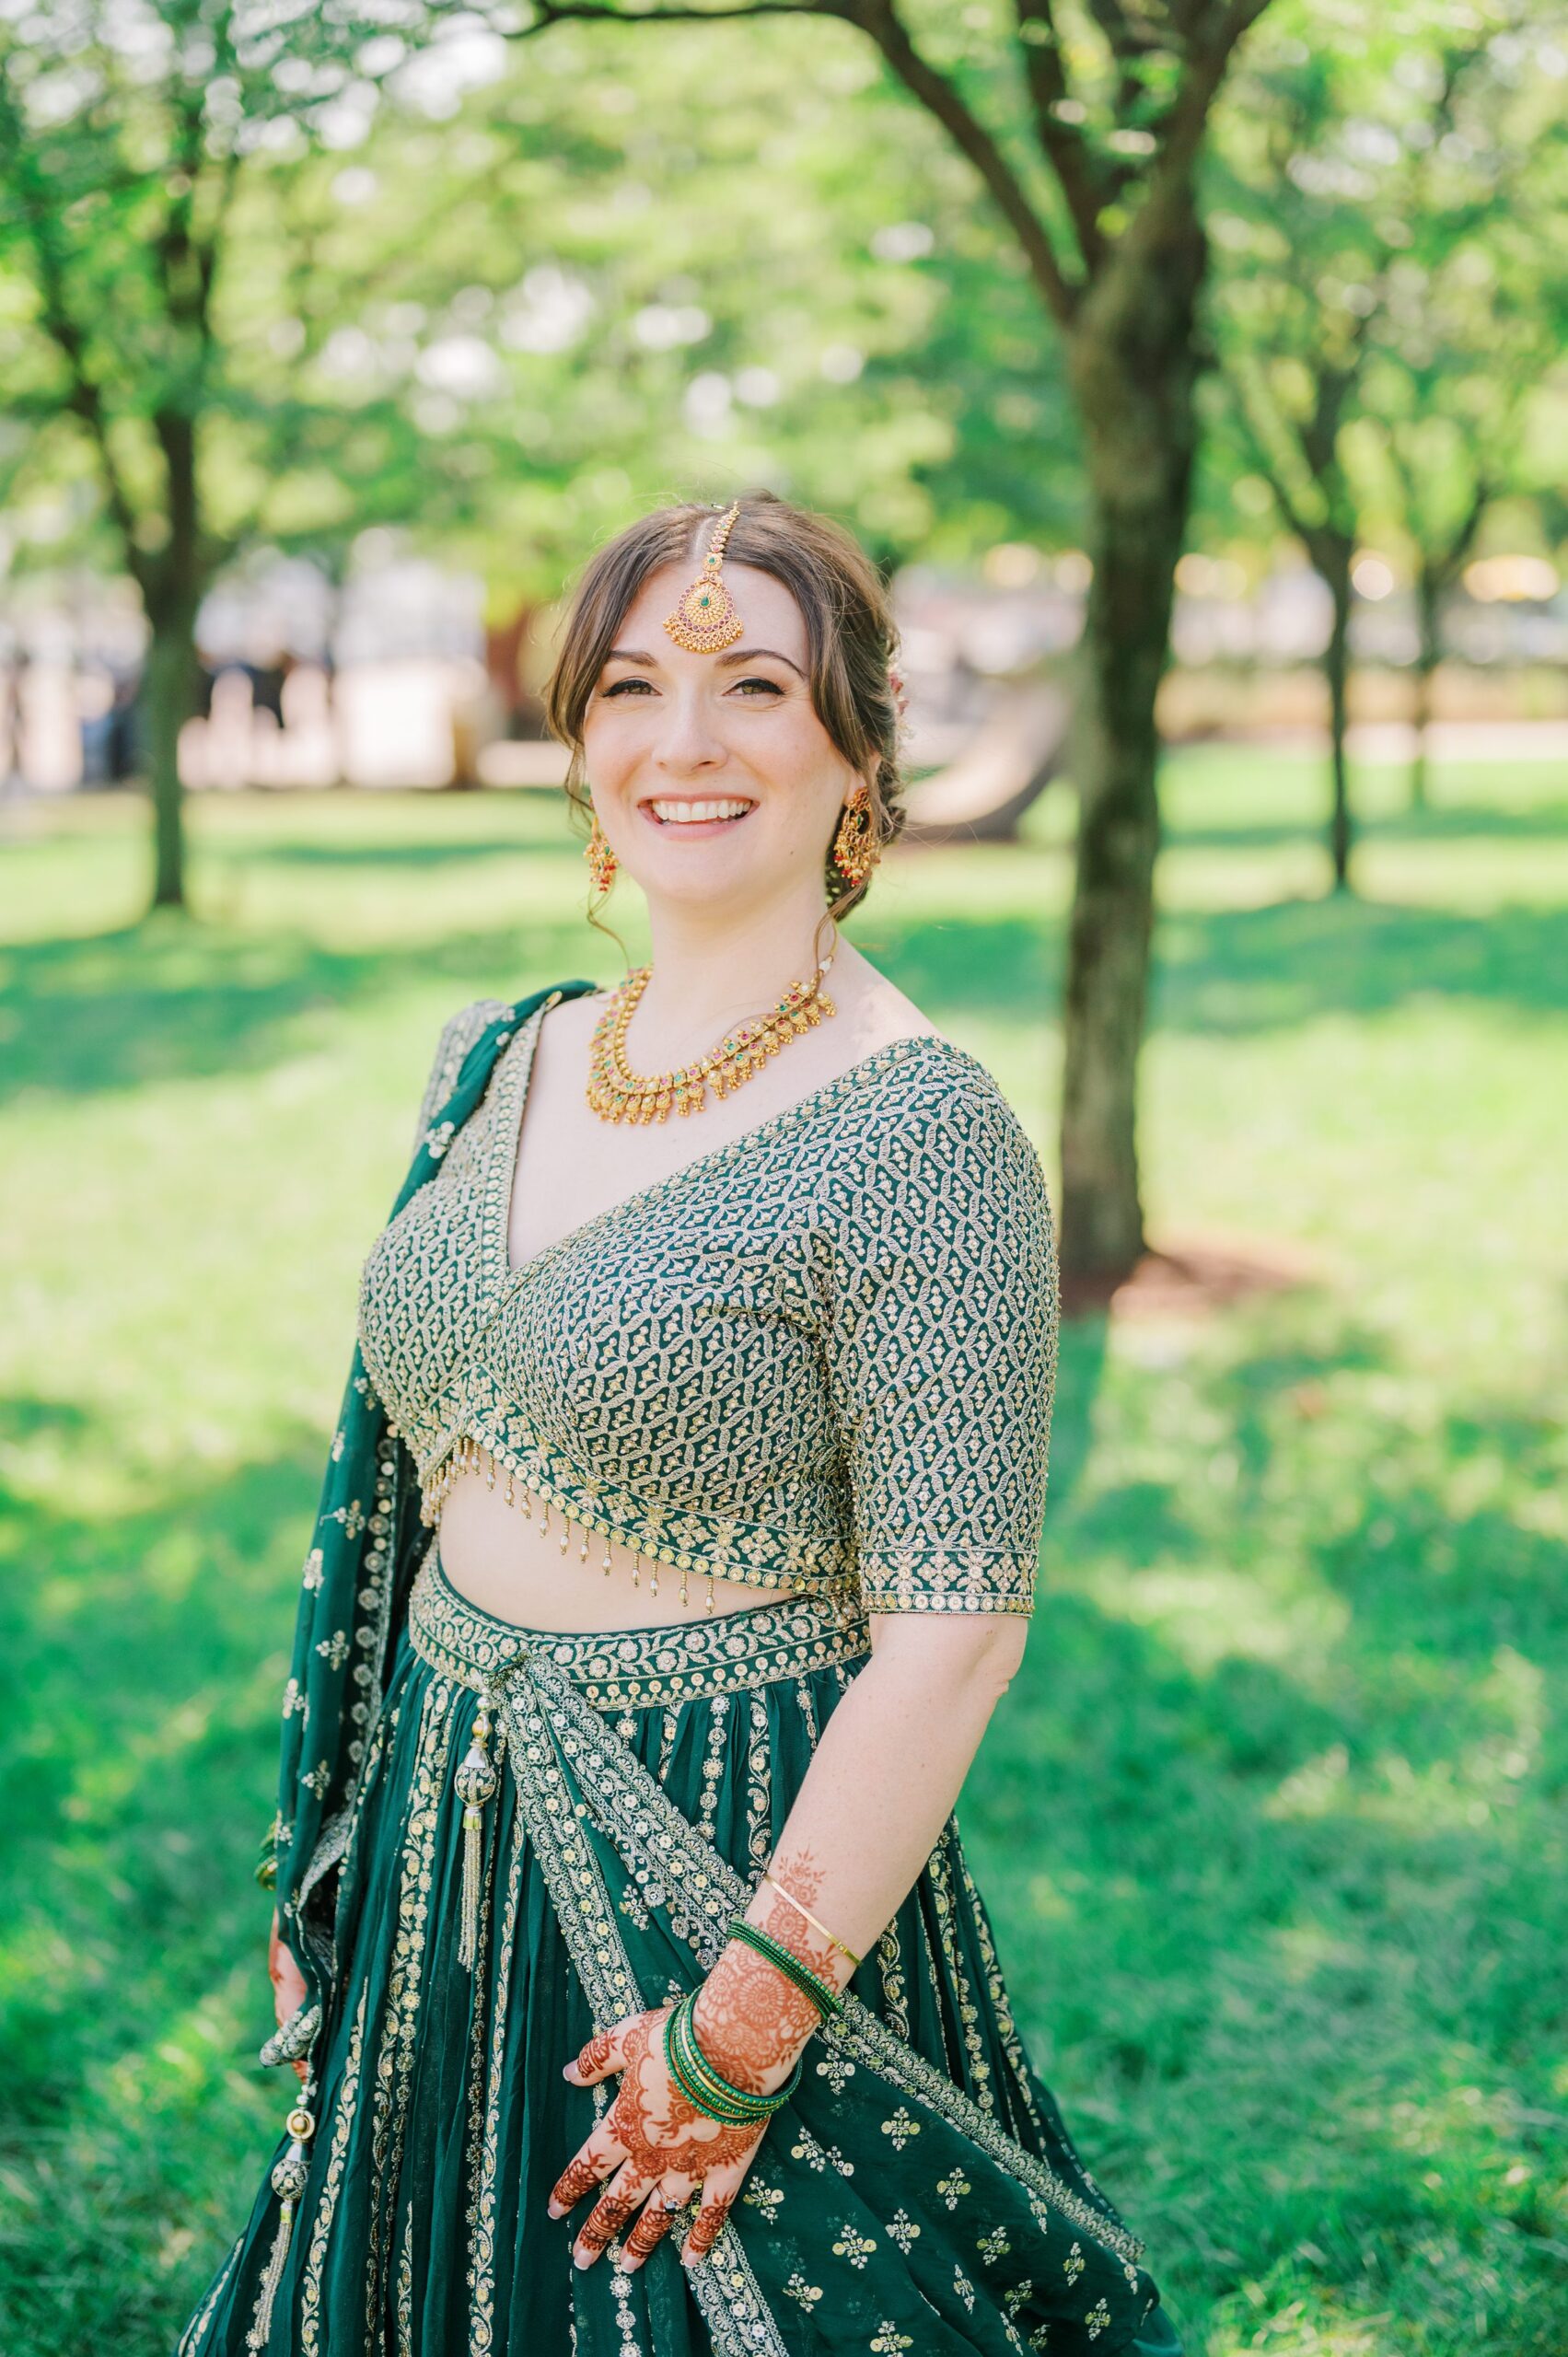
x,y
668,810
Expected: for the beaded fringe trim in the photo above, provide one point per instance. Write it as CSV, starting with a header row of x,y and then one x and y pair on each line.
x,y
469,1455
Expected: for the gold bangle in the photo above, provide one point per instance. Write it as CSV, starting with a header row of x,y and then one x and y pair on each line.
x,y
811,1919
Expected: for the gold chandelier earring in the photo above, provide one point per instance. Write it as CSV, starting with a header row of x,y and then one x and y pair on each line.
x,y
856,848
603,862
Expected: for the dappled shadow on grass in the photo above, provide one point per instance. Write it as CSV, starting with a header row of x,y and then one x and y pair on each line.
x,y
1444,823
142,1659
124,1010
447,851
1269,1905
1004,965
1239,971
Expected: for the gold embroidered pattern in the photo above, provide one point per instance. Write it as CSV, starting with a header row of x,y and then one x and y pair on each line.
x,y
192,2337
457,1036
822,1351
405,1985
481,2275
621,1671
331,2186
969,2011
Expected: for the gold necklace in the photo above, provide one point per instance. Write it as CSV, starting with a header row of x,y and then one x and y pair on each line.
x,y
616,1093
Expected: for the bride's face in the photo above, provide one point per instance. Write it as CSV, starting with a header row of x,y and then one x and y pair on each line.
x,y
712,775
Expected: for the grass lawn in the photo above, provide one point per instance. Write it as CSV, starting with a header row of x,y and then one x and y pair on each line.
x,y
1273,1821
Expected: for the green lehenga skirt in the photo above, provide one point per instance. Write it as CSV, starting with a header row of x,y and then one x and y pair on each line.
x,y
918,2193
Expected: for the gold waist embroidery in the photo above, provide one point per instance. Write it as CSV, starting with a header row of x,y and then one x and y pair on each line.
x,y
639,1669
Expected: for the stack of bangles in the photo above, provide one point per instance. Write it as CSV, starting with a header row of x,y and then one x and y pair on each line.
x,y
705,2088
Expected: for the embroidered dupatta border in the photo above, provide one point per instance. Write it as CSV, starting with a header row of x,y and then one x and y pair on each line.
x,y
736,2313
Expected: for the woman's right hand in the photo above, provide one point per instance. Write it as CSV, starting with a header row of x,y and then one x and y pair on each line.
x,y
289,1991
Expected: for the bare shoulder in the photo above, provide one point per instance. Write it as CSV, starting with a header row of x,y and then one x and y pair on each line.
x,y
876,1012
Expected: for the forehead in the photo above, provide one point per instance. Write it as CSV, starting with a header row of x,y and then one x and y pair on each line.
x,y
768,613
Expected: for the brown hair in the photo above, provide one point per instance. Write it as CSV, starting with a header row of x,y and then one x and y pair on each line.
x,y
849,630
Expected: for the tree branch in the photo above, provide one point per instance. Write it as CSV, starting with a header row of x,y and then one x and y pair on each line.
x,y
943,98
940,97
1045,74
85,396
1168,192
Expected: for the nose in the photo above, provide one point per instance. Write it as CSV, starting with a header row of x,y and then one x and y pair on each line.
x,y
688,741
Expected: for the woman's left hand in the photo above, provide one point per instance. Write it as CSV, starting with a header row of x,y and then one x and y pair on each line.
x,y
654,2148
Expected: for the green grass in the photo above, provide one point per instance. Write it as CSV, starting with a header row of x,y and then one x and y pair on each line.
x,y
1273,1821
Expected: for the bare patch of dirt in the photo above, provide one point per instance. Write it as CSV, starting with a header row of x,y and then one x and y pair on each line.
x,y
1195,1275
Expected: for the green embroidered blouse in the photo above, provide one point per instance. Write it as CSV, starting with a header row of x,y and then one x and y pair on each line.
x,y
821,1353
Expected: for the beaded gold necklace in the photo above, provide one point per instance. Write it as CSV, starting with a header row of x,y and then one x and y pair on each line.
x,y
616,1093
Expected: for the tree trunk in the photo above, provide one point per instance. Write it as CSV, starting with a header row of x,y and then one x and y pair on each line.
x,y
1132,369
1336,671
169,688
172,584
1428,654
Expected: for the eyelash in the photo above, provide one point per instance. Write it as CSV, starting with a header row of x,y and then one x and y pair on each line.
x,y
753,679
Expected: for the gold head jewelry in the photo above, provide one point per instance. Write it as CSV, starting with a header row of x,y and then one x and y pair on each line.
x,y
705,617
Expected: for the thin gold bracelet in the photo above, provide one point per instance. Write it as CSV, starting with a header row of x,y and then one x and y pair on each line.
x,y
811,1919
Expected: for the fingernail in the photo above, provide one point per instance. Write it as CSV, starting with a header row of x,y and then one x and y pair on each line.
x,y
554,2209
569,2070
582,2257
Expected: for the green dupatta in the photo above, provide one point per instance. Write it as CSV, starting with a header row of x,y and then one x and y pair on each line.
x,y
363,1553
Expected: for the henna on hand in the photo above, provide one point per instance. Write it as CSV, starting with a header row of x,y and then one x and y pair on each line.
x,y
649,2132
706,2228
609,2213
750,2021
653,2222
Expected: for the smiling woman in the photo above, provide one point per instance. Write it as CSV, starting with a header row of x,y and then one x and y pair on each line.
x,y
616,1866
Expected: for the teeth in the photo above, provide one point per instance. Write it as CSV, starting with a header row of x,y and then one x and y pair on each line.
x,y
691,814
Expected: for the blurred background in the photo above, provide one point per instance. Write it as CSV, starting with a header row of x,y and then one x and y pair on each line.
x,y
1195,371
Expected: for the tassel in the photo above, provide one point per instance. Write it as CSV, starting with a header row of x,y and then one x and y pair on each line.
x,y
289,2177
475,1784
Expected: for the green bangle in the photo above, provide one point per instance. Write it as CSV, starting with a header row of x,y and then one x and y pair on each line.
x,y
827,2000
705,2088
702,2087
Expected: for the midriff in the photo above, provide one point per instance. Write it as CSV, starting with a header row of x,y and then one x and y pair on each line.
x,y
515,1567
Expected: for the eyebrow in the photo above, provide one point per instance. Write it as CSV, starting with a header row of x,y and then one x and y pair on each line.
x,y
735,655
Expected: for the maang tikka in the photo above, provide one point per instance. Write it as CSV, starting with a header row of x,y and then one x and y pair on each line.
x,y
705,617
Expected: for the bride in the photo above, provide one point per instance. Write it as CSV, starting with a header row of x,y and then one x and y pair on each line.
x,y
677,1538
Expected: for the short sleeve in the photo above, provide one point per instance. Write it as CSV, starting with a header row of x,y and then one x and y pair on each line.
x,y
942,1344
457,1035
